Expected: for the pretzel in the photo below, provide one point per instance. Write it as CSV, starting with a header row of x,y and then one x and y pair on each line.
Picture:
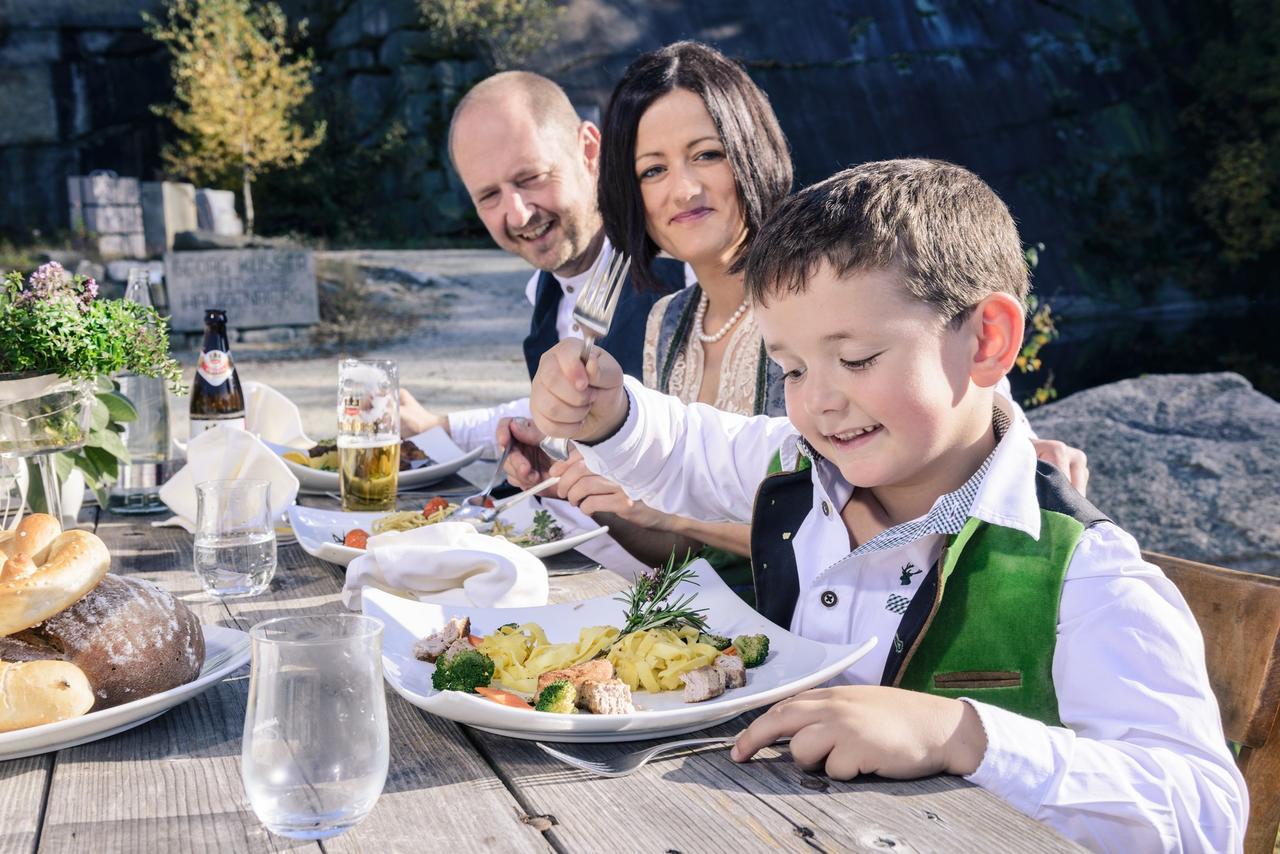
x,y
46,570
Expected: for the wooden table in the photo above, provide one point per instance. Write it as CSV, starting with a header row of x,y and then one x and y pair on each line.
x,y
173,784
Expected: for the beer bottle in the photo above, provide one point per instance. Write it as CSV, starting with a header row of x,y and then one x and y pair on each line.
x,y
216,397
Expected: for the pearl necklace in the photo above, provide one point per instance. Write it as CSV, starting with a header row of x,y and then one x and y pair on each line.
x,y
700,314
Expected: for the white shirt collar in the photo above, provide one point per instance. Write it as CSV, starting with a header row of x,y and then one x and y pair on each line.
x,y
575,283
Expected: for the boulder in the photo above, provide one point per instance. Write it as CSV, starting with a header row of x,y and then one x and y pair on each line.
x,y
1187,463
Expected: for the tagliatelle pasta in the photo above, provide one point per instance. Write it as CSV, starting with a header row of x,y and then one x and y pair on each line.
x,y
407,520
520,653
654,659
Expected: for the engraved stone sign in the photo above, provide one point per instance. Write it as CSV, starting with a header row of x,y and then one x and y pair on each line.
x,y
256,287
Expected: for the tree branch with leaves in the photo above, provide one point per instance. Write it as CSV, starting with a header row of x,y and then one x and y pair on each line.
x,y
238,85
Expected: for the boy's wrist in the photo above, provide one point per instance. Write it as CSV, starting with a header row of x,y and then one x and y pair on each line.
x,y
968,742
610,426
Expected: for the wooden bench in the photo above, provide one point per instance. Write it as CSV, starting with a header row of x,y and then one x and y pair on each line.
x,y
1239,614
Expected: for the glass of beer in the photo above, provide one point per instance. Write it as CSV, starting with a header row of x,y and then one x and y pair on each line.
x,y
368,433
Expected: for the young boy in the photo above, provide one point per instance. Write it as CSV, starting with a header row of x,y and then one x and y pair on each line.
x,y
1045,661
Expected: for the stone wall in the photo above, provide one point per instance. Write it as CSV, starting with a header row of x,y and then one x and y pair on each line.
x,y
1012,90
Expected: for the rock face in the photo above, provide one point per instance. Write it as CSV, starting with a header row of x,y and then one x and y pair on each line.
x,y
1187,463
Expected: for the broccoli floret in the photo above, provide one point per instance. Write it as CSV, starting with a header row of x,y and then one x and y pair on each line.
x,y
752,649
560,696
463,671
718,641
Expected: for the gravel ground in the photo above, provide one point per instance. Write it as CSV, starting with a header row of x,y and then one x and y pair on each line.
x,y
463,352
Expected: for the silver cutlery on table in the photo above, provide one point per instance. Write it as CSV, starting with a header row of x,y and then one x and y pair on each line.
x,y
593,312
480,515
626,763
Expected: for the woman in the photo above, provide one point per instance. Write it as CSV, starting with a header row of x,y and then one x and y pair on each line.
x,y
693,161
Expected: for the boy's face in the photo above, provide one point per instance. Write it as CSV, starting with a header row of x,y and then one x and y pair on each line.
x,y
876,381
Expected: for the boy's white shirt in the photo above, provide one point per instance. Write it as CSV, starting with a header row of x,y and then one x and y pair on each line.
x,y
1141,764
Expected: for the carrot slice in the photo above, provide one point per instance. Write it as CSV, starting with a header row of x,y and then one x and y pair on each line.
x,y
475,640
728,650
504,698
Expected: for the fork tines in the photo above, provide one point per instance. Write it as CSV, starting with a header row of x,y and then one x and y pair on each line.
x,y
597,303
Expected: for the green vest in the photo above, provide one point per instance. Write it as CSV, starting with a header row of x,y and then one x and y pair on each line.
x,y
983,623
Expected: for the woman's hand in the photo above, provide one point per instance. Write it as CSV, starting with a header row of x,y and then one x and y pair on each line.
x,y
1070,461
592,493
527,464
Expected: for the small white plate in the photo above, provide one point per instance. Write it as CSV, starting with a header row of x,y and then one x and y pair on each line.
x,y
225,651
794,664
437,445
316,530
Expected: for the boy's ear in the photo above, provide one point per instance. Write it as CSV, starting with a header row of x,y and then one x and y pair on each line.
x,y
998,322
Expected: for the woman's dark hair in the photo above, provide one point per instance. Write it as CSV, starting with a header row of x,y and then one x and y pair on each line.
x,y
754,145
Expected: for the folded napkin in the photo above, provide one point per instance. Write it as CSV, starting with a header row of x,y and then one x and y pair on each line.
x,y
274,417
226,453
449,563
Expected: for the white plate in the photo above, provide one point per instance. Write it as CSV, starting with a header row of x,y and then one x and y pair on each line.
x,y
225,650
794,664
316,530
435,442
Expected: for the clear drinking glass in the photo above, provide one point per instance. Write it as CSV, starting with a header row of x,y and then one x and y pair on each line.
x,y
235,540
368,433
315,750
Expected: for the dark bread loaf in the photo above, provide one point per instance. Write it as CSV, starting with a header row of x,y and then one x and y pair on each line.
x,y
130,638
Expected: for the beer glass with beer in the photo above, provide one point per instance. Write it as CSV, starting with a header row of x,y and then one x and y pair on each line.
x,y
368,433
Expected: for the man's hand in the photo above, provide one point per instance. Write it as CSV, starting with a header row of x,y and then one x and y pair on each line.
x,y
871,729
575,401
527,464
1070,461
415,418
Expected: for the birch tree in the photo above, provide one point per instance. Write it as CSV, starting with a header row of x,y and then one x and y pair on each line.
x,y
238,86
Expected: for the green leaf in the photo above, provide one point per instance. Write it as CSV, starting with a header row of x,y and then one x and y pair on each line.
x,y
118,406
111,443
101,416
105,462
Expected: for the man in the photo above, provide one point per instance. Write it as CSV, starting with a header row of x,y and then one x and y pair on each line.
x,y
529,164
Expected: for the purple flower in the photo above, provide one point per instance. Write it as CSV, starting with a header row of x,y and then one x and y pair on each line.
x,y
88,292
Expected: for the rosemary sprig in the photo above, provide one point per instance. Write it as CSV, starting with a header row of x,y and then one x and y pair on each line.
x,y
649,602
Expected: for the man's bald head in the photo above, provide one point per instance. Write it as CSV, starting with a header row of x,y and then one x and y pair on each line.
x,y
520,95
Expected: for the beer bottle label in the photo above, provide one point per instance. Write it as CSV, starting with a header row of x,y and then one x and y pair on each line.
x,y
199,425
214,366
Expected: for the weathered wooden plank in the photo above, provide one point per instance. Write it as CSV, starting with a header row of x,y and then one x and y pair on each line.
x,y
22,781
180,774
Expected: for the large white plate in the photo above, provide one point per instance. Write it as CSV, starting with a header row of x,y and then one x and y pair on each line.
x,y
317,528
794,664
435,442
225,650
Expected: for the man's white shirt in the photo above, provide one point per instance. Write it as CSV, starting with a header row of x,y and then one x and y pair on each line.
x,y
1141,764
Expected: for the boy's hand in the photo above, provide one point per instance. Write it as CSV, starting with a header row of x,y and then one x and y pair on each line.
x,y
871,729
575,401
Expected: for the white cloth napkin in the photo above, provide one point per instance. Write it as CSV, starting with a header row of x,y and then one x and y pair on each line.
x,y
226,453
274,417
450,563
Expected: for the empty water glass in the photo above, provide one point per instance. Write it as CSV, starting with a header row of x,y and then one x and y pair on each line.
x,y
315,751
235,540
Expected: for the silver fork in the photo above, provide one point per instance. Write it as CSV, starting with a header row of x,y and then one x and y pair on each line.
x,y
593,312
621,766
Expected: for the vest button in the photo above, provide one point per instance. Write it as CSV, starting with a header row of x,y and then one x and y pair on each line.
x,y
569,288
826,508
829,599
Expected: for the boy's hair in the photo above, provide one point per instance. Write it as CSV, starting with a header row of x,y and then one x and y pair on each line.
x,y
940,227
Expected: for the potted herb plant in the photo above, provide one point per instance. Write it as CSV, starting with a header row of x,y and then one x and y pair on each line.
x,y
59,346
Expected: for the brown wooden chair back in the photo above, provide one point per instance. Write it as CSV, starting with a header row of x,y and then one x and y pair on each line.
x,y
1239,615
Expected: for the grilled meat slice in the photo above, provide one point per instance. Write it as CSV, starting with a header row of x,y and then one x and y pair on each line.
x,y
735,672
598,669
436,644
611,697
703,684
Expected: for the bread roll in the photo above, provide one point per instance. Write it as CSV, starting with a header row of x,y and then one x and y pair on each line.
x,y
46,570
41,692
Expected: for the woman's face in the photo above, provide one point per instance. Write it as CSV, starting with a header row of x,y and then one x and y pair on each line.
x,y
690,197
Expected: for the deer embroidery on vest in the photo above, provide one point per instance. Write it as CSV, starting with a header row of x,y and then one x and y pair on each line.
x,y
907,572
